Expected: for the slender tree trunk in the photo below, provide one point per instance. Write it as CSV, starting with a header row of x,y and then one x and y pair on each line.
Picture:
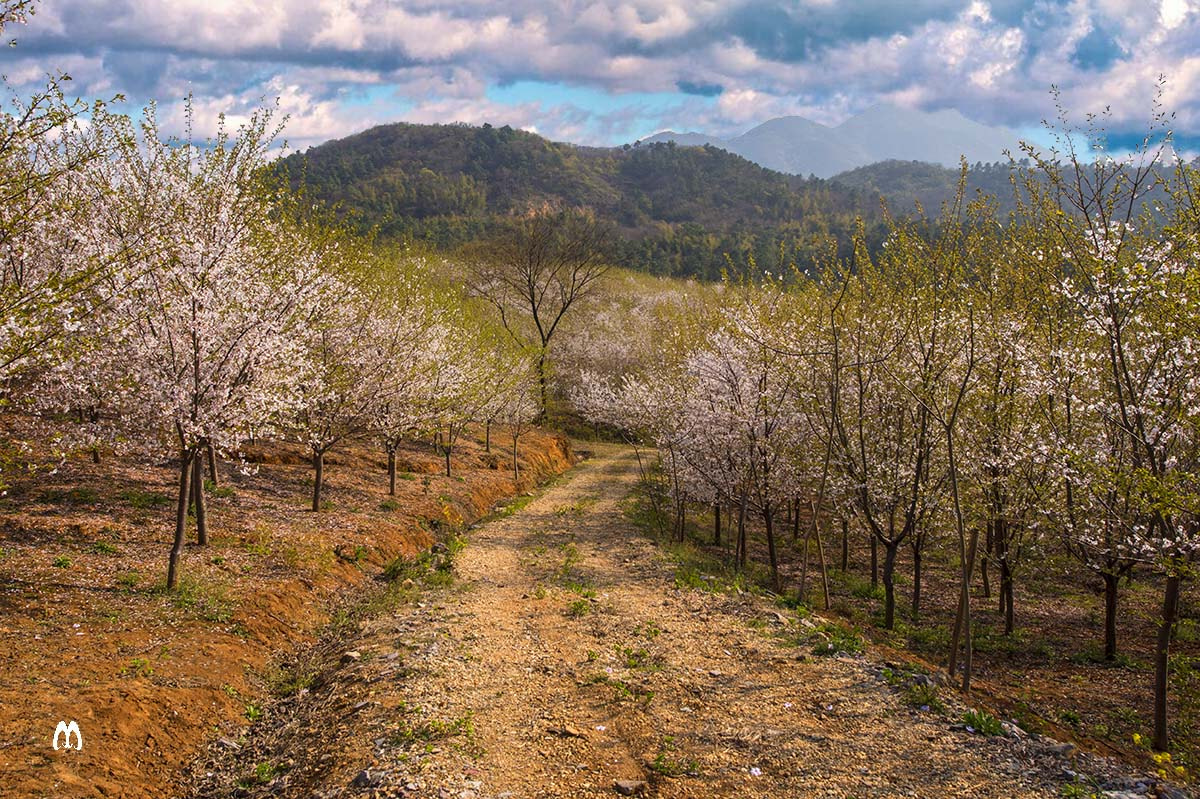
x,y
318,462
198,499
874,561
1162,661
1006,596
391,453
821,557
990,540
211,454
916,592
516,470
845,545
741,544
768,517
446,451
541,373
716,524
890,550
185,471
487,436
95,455
1111,582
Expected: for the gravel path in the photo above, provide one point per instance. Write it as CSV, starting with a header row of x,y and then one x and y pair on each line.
x,y
564,662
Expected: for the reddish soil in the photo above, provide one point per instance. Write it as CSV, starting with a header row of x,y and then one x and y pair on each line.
x,y
89,634
1049,675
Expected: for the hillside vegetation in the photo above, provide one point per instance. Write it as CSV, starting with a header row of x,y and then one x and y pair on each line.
x,y
676,210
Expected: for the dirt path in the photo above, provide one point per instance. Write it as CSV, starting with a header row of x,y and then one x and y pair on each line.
x,y
564,659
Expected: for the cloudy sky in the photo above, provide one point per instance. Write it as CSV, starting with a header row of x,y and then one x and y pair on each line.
x,y
611,71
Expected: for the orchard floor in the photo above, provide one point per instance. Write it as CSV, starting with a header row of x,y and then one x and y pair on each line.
x,y
563,660
88,633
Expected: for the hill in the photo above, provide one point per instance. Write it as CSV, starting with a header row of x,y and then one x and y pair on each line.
x,y
799,146
904,184
676,210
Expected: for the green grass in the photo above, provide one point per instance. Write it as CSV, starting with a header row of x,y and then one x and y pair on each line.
x,y
830,638
62,562
144,500
71,496
104,548
579,608
202,598
982,722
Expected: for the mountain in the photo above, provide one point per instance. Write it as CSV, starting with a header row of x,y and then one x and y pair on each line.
x,y
802,147
674,210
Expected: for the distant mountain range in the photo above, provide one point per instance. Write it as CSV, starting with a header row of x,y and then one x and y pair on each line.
x,y
799,146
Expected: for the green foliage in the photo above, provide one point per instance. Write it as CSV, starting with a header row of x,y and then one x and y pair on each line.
x,y
144,500
982,722
70,496
680,210
129,580
62,562
830,638
253,712
203,598
222,492
104,548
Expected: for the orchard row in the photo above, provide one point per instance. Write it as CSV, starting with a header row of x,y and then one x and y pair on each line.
x,y
989,387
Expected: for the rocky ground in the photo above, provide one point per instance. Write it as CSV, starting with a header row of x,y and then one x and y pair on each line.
x,y
557,657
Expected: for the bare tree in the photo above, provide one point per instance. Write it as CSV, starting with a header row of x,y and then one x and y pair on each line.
x,y
548,261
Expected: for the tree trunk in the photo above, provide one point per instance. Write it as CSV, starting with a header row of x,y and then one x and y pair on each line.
x,y
716,524
541,374
889,585
845,545
1110,615
211,454
198,499
916,592
741,539
1162,661
991,539
1006,596
318,461
516,470
768,517
821,555
446,450
874,561
185,471
487,436
95,455
391,453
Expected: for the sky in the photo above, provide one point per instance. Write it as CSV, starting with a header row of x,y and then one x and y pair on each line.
x,y
606,72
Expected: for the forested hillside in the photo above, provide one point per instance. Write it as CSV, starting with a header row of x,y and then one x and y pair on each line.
x,y
675,210
905,183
